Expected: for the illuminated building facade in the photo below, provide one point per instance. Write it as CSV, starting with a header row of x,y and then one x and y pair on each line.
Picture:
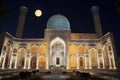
x,y
59,49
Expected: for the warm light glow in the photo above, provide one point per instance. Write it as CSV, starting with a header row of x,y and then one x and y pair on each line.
x,y
73,61
34,49
38,13
72,49
42,49
42,61
81,50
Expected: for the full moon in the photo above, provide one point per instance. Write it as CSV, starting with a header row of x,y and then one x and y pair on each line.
x,y
38,13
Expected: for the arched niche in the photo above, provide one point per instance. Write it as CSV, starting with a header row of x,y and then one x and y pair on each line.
x,y
93,56
86,51
73,62
105,55
42,49
100,63
109,48
81,49
34,49
42,62
9,51
81,62
99,51
15,50
33,62
21,57
57,52
72,49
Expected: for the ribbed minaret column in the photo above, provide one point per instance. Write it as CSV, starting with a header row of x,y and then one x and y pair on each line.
x,y
20,25
97,22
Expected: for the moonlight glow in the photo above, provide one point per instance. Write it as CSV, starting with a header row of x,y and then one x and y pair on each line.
x,y
38,13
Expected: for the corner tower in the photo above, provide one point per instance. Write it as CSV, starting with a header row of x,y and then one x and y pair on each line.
x,y
21,21
96,19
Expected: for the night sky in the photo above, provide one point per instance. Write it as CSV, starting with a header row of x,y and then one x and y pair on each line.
x,y
77,12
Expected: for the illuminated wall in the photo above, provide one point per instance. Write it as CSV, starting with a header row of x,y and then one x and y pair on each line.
x,y
74,54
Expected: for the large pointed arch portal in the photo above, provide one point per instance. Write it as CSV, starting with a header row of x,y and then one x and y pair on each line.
x,y
57,53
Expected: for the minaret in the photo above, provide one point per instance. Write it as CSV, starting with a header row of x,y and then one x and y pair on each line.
x,y
97,22
20,25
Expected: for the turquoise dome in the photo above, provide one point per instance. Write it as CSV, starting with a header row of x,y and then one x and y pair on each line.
x,y
58,22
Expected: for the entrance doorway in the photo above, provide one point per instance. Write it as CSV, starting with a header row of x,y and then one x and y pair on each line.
x,y
57,53
57,61
33,62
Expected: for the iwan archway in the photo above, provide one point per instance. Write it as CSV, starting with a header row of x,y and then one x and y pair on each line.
x,y
57,53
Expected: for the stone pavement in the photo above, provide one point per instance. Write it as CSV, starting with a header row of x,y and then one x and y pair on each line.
x,y
55,77
106,74
57,74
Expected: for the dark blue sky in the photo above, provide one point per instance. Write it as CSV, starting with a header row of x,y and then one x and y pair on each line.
x,y
77,12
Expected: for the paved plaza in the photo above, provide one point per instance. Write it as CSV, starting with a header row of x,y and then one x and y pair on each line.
x,y
58,75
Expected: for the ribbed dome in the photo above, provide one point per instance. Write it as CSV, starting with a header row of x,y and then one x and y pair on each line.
x,y
58,22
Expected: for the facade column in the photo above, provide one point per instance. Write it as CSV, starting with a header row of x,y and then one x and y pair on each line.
x,y
50,56
68,61
98,61
47,58
3,64
25,63
47,63
68,56
108,52
0,59
85,61
77,55
15,63
110,66
113,58
114,66
77,60
89,60
10,61
64,57
29,60
37,61
103,61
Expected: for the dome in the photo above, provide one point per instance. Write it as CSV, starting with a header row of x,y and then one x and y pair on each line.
x,y
58,22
